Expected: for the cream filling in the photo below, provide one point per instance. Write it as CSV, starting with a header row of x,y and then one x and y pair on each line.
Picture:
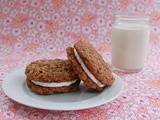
x,y
86,69
53,84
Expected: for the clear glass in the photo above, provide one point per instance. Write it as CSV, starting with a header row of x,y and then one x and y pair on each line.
x,y
130,37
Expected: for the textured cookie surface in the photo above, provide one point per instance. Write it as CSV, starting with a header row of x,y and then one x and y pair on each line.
x,y
93,61
50,71
81,73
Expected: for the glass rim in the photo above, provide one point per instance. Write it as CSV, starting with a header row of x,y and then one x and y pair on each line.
x,y
131,16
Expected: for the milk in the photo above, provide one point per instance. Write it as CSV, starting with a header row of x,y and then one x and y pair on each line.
x,y
129,45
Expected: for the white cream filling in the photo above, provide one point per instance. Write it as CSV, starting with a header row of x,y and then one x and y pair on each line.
x,y
53,84
86,69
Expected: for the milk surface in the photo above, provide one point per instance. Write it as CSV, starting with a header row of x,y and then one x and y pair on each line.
x,y
129,45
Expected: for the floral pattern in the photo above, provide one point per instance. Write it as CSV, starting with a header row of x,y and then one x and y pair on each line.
x,y
36,29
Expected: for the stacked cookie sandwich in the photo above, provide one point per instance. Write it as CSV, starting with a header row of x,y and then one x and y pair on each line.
x,y
84,63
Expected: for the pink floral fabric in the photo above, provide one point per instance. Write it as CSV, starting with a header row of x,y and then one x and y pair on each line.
x,y
36,29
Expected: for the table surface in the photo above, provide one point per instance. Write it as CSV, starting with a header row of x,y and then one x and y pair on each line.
x,y
31,30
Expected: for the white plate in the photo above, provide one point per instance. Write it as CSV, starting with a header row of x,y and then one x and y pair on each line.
x,y
15,88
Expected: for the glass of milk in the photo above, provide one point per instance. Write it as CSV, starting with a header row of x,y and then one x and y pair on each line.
x,y
130,37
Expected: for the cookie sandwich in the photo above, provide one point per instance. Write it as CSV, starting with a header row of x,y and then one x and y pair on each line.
x,y
90,66
51,76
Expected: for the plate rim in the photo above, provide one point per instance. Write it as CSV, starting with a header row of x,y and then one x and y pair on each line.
x,y
6,79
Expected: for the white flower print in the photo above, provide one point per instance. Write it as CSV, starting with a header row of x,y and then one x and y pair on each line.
x,y
6,30
51,10
115,103
68,20
101,11
115,118
131,8
69,39
48,4
76,20
11,3
7,50
8,114
32,32
102,31
16,31
102,2
44,36
94,26
60,33
55,17
39,17
32,13
100,21
50,40
107,16
140,7
42,9
78,2
2,74
73,8
50,48
41,26
108,39
76,29
86,29
23,10
91,37
91,9
24,2
46,16
119,9
36,115
35,3
110,8
142,101
6,10
61,21
44,44
17,53
58,42
68,28
81,11
112,112
64,10
36,40
134,107
18,45
125,98
31,23
24,28
31,54
109,24
155,29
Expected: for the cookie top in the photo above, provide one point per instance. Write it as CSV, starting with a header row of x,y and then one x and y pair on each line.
x,y
50,71
94,62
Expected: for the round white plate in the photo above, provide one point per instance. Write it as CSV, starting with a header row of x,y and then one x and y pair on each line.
x,y
14,87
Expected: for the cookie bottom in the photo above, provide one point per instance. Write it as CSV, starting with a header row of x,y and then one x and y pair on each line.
x,y
48,91
81,73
